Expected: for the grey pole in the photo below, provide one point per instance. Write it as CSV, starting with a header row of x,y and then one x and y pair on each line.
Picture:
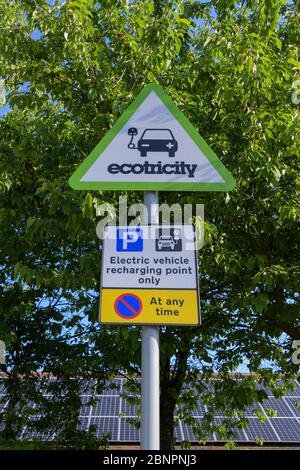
x,y
150,357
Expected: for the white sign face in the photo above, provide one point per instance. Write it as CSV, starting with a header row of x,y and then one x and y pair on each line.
x,y
149,257
152,146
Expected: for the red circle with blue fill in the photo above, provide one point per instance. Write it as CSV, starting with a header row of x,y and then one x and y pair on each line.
x,y
128,306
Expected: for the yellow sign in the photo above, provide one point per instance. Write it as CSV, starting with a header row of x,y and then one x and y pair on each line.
x,y
149,306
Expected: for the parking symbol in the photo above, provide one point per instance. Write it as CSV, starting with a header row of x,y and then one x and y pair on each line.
x,y
130,239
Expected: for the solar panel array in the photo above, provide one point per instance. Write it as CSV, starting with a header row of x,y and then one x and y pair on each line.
x,y
111,413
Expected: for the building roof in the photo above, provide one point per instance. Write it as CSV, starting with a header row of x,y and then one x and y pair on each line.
x,y
112,414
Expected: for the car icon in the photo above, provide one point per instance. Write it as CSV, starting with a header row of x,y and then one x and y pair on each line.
x,y
157,140
166,241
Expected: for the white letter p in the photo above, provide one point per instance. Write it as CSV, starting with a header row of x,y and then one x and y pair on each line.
x,y
129,237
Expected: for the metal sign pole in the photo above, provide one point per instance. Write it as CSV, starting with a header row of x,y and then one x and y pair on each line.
x,y
150,357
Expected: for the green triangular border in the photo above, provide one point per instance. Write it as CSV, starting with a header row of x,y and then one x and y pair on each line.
x,y
229,181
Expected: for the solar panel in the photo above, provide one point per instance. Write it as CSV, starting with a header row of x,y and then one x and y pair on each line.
x,y
280,406
29,434
129,409
187,432
292,403
178,433
2,387
257,429
288,430
239,434
250,410
294,393
83,424
106,406
85,407
87,387
198,410
189,435
289,393
105,415
106,425
112,387
128,432
201,410
3,402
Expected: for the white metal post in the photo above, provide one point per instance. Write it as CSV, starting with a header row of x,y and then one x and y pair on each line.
x,y
150,357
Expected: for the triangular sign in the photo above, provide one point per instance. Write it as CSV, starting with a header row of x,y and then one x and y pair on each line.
x,y
152,146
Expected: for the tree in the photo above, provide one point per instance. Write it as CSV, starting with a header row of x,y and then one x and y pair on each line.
x,y
70,70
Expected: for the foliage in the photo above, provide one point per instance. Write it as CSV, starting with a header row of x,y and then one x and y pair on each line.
x,y
83,440
70,69
80,440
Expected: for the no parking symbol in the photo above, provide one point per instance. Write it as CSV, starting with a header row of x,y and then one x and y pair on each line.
x,y
128,306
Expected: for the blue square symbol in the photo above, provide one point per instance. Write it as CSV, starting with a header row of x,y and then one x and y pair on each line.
x,y
130,239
